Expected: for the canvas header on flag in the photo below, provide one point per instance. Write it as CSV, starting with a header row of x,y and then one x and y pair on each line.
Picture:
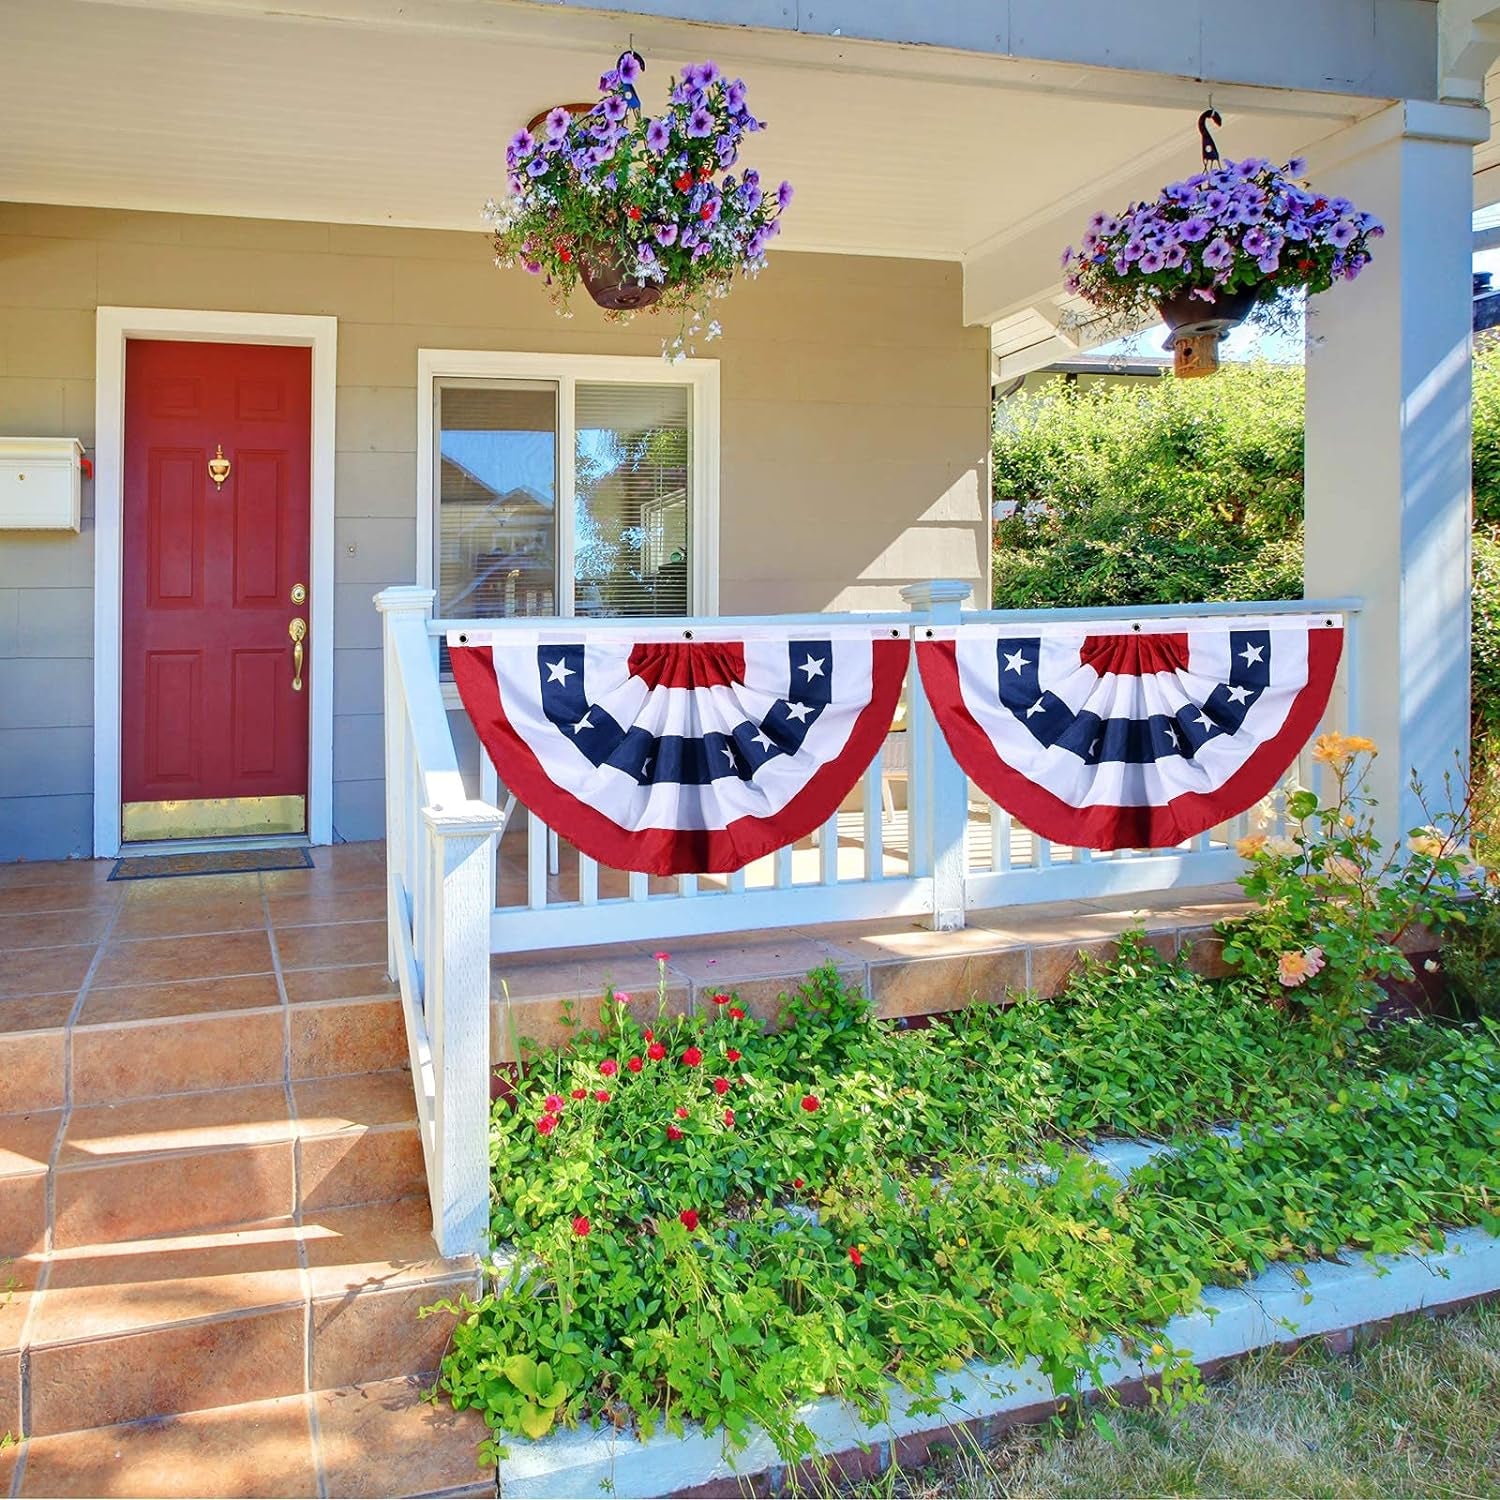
x,y
681,751
1108,737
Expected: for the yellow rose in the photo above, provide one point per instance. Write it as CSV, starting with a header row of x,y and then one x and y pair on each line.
x,y
1250,845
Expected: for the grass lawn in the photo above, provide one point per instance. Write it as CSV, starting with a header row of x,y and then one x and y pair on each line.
x,y
1414,1413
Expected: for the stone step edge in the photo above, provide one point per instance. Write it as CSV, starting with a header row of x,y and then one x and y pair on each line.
x,y
1286,1304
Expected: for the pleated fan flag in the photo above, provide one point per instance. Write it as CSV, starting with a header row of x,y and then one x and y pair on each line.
x,y
1104,737
680,751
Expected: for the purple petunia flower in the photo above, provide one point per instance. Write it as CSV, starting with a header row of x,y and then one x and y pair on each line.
x,y
658,136
1296,166
630,68
734,96
666,234
1134,248
703,75
1257,242
709,213
1194,228
1067,255
689,237
700,250
1218,254
1174,192
1174,256
1152,261
615,109
557,123
1214,201
1343,234
700,124
645,255
522,142
783,195
609,81
726,151
1270,263
536,166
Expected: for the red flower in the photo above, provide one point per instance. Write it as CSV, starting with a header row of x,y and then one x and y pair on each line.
x,y
729,1117
705,212
705,172
733,1054
682,1113
546,1125
580,1093
689,1217
735,1013
553,1103
661,958
798,1183
721,999
635,1065
609,1067
649,1034
656,1052
633,212
721,1085
581,1225
692,1057
855,1256
602,1095
674,1132
810,1103
684,182
565,256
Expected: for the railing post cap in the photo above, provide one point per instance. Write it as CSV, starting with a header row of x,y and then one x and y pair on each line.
x,y
405,598
936,591
455,819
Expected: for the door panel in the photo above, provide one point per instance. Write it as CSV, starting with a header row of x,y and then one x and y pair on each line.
x,y
211,721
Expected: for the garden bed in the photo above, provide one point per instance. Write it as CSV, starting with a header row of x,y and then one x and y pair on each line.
x,y
730,1249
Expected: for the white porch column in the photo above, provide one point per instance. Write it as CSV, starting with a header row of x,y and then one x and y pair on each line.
x,y
937,813
1388,438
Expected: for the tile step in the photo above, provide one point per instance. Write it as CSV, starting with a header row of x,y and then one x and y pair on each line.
x,y
157,1327
376,1438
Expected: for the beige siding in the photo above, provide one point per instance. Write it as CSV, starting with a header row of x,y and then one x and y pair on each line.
x,y
855,431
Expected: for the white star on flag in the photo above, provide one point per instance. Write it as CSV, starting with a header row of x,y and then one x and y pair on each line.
x,y
560,671
764,741
1036,707
584,723
1172,735
1015,661
1238,694
813,666
1203,719
1252,654
728,753
798,711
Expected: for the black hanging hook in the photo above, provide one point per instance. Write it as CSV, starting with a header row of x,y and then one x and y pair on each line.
x,y
1211,156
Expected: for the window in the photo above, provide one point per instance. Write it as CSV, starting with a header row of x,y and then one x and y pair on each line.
x,y
631,445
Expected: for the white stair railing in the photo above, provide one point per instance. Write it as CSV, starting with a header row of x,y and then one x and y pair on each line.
x,y
440,896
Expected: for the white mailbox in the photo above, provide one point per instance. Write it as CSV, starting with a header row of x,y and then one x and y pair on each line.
x,y
41,484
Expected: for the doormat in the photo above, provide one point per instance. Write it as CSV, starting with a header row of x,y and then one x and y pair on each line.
x,y
225,862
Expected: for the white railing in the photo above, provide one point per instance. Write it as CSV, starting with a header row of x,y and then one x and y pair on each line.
x,y
468,879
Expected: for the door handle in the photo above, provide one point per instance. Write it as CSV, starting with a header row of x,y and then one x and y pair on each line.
x,y
297,629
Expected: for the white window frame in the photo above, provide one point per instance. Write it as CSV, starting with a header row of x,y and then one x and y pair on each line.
x,y
700,376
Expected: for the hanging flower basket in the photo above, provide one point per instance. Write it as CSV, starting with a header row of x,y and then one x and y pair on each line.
x,y
643,210
1236,240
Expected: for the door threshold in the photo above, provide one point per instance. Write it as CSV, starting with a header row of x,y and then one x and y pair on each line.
x,y
215,845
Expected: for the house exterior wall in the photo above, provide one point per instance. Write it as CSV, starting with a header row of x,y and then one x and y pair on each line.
x,y
854,443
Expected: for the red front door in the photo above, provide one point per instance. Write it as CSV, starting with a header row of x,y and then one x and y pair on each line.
x,y
214,714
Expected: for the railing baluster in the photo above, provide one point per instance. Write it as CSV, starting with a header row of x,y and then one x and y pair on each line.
x,y
640,886
782,865
999,837
536,862
687,885
828,851
873,821
588,880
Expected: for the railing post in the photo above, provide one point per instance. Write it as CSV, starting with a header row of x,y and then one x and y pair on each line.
x,y
399,607
458,989
944,793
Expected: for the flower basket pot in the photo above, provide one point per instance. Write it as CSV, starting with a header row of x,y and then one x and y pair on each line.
x,y
610,282
1198,326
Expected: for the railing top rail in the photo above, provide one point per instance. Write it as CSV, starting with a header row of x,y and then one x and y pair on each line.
x,y
903,618
1344,606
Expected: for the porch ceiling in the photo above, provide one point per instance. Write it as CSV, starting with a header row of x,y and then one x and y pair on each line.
x,y
371,112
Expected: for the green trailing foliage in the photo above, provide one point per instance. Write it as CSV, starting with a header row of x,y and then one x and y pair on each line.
x,y
721,1225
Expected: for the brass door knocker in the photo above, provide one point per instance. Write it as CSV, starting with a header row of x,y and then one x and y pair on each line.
x,y
218,467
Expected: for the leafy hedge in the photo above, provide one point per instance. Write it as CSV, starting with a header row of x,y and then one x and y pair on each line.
x,y
1173,491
